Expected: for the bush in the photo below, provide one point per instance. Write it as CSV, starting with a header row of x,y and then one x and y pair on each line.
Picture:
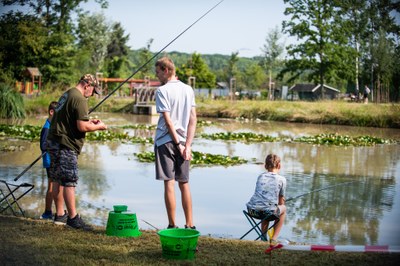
x,y
11,103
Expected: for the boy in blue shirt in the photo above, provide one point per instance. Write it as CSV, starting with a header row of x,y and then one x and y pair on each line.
x,y
48,214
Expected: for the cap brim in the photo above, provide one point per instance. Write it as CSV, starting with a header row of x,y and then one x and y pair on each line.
x,y
96,90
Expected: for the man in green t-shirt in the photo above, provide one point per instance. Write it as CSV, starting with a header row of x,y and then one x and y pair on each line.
x,y
65,140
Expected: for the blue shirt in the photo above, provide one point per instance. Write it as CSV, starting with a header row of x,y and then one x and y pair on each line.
x,y
43,143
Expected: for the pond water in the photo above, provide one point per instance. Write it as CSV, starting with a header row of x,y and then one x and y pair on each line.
x,y
365,212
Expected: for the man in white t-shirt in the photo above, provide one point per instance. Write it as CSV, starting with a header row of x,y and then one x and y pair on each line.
x,y
175,102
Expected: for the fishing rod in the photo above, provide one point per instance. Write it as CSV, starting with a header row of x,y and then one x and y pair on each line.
x,y
126,80
29,167
320,189
150,225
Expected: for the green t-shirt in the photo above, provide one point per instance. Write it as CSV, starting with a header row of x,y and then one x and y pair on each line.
x,y
72,106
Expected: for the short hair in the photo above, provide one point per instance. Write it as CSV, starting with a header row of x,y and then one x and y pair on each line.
x,y
166,63
272,161
53,105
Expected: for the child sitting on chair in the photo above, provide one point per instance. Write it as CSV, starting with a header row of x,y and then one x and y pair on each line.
x,y
269,196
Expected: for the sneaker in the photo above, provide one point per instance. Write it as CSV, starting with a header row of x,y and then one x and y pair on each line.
x,y
47,215
190,227
61,220
78,223
172,226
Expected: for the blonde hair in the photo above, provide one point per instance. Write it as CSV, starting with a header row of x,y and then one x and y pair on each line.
x,y
272,162
166,63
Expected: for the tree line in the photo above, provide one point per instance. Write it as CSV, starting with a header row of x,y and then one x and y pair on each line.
x,y
345,44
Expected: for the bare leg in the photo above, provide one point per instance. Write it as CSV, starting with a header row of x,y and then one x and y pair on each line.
x,y
170,202
58,198
69,197
49,195
279,225
186,202
264,226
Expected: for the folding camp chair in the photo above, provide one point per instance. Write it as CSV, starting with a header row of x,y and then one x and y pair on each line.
x,y
255,222
10,194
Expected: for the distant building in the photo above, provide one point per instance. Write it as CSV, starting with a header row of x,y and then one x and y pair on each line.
x,y
312,92
32,81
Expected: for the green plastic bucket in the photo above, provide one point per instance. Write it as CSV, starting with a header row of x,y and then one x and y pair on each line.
x,y
179,243
122,223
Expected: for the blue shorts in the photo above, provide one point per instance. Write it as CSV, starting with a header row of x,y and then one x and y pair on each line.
x,y
63,165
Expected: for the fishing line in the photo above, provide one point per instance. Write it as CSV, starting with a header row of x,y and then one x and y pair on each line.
x,y
126,80
320,189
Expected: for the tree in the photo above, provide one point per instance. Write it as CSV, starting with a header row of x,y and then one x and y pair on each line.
x,y
145,54
50,28
116,61
196,67
272,50
94,35
353,24
382,35
321,53
231,73
254,77
22,43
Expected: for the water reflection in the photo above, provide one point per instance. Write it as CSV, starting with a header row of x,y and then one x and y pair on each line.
x,y
345,214
364,212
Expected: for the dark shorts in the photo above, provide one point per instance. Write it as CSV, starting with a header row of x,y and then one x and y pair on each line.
x,y
63,165
261,214
170,163
48,174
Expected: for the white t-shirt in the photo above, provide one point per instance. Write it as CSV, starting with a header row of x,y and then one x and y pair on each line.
x,y
269,187
178,99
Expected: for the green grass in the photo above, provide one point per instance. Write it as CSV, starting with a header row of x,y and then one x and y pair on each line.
x,y
35,242
318,112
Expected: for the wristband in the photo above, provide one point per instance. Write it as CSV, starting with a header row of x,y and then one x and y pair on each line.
x,y
177,144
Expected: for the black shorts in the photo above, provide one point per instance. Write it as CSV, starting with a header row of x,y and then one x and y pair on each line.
x,y
261,214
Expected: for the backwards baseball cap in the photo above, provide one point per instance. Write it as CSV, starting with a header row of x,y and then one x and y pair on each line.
x,y
92,81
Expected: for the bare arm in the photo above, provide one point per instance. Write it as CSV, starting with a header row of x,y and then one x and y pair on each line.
x,y
170,126
187,152
281,200
191,127
91,125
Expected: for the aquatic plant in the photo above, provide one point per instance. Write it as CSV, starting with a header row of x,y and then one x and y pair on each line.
x,y
241,136
320,139
24,132
343,140
114,134
199,158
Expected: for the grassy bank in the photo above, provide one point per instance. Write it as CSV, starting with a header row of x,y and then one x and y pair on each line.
x,y
36,242
321,112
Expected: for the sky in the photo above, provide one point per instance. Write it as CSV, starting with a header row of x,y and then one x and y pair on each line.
x,y
233,26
